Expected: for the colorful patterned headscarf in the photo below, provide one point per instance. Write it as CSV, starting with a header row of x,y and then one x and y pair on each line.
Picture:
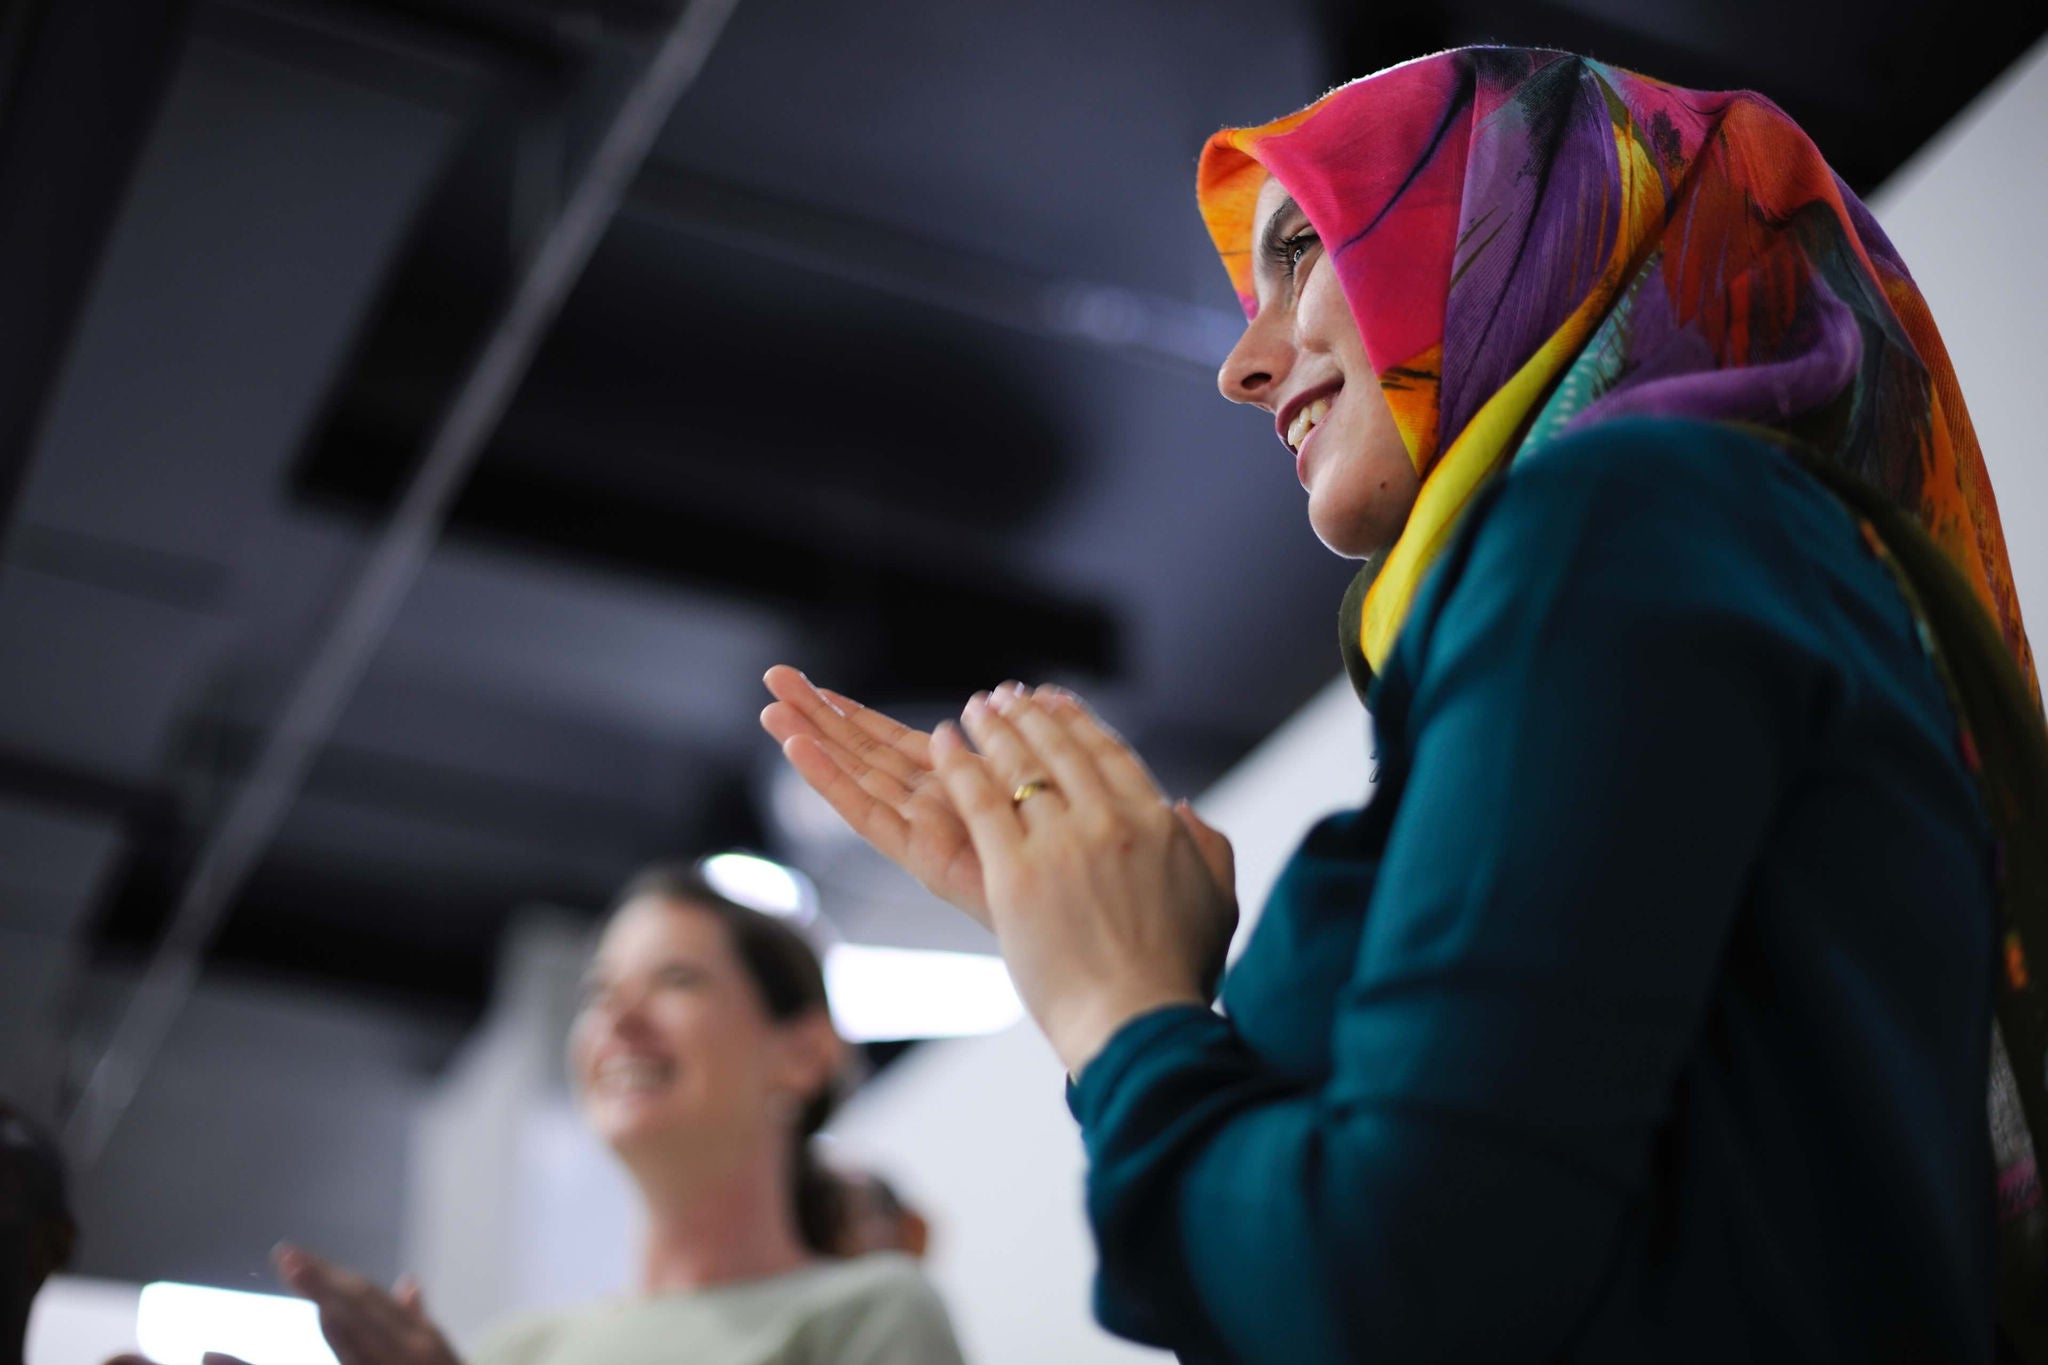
x,y
1531,241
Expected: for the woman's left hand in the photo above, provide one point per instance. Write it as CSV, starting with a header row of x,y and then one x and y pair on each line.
x,y
1105,904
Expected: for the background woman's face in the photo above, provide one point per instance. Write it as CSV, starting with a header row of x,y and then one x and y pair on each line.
x,y
673,1045
1302,360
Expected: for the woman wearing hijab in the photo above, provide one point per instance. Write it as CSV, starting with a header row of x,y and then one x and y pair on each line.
x,y
1647,1011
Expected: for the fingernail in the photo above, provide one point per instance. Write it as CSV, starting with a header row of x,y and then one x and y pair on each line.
x,y
979,701
1002,700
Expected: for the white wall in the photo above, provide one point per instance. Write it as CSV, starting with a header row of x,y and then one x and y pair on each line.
x,y
1968,214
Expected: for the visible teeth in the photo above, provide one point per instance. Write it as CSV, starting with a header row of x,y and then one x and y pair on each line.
x,y
633,1073
1305,421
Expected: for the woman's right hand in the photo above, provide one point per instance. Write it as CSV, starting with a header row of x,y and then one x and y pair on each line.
x,y
877,773
363,1324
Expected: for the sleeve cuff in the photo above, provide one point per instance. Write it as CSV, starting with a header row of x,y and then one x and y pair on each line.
x,y
1091,1093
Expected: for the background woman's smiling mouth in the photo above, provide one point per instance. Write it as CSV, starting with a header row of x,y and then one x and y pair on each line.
x,y
634,1074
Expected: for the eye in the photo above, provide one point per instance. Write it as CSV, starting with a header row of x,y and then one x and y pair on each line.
x,y
678,978
1289,253
1297,248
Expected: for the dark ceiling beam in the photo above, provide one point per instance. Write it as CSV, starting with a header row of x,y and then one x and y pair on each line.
x,y
431,794
143,573
540,25
80,83
430,802
866,609
52,783
1184,336
421,62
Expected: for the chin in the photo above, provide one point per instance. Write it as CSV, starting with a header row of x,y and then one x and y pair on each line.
x,y
1343,534
1354,522
624,1129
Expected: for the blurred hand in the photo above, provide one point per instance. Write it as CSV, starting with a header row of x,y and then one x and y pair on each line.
x,y
363,1324
877,773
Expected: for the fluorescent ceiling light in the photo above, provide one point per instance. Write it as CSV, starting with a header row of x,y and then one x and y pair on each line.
x,y
888,993
761,884
177,1324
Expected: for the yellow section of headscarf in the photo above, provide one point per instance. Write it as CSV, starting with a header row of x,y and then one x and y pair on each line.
x,y
1493,434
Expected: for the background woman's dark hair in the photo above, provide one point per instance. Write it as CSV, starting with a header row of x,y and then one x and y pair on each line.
x,y
37,1232
791,980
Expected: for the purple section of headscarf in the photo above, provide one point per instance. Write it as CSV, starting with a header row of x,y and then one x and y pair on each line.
x,y
1538,219
1669,368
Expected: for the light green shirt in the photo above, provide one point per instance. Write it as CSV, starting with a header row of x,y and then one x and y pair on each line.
x,y
873,1310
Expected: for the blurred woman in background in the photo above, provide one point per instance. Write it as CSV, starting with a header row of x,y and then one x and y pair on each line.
x,y
1646,1012
704,1056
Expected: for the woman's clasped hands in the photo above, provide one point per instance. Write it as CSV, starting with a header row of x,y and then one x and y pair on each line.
x,y
1107,901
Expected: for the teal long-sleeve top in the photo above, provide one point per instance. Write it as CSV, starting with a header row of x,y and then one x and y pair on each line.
x,y
1642,1014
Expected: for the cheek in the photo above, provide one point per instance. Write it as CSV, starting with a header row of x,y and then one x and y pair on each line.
x,y
712,1041
587,1032
680,1025
1326,323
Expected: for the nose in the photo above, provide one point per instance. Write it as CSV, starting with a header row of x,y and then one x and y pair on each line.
x,y
618,1010
1253,370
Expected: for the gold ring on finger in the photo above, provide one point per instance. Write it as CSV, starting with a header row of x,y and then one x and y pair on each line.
x,y
1028,789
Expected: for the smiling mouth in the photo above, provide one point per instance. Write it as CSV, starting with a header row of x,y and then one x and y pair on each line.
x,y
633,1075
1305,422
